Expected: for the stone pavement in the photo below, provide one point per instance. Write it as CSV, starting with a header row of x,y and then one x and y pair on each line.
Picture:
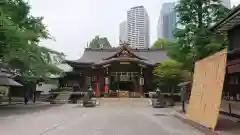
x,y
7,110
119,117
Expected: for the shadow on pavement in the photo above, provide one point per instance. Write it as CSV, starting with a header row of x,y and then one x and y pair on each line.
x,y
19,109
228,126
197,126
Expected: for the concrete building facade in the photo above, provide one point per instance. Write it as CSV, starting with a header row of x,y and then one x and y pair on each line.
x,y
138,27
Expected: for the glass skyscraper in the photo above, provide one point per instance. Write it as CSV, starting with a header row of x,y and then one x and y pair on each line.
x,y
167,21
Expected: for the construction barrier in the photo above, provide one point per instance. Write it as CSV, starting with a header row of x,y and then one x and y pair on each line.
x,y
206,93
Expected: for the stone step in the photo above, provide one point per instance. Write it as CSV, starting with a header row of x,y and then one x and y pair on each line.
x,y
62,98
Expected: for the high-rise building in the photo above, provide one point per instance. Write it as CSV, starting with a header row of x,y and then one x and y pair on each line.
x,y
226,3
167,21
138,27
123,32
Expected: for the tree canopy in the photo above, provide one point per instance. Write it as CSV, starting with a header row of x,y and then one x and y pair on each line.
x,y
99,42
194,41
170,73
163,43
20,34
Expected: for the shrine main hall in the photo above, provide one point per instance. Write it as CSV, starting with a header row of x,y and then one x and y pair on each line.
x,y
121,71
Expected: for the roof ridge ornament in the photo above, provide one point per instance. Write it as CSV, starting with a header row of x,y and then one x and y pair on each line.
x,y
124,43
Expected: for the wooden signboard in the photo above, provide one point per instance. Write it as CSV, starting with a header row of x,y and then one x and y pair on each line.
x,y
207,89
125,63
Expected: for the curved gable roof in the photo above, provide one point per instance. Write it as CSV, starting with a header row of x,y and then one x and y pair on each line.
x,y
96,56
124,48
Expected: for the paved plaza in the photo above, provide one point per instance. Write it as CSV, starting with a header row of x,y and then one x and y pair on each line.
x,y
112,117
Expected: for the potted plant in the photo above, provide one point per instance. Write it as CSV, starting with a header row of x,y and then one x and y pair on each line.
x,y
106,94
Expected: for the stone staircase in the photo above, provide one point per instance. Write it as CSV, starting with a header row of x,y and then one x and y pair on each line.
x,y
124,102
62,98
44,97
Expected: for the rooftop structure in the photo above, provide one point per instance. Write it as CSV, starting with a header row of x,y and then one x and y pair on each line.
x,y
118,69
96,57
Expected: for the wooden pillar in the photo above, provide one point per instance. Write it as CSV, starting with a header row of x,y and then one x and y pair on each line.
x,y
101,81
148,77
98,86
9,95
135,82
106,87
87,82
141,83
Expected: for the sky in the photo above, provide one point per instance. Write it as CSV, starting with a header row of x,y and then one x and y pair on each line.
x,y
73,23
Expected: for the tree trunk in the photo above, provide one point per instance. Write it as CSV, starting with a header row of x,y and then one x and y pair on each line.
x,y
200,14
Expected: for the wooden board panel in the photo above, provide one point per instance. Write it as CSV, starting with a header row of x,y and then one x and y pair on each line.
x,y
207,88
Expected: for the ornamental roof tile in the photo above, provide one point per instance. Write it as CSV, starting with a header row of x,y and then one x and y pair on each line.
x,y
98,56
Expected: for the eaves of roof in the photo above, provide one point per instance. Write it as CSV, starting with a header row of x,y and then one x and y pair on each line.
x,y
124,59
229,22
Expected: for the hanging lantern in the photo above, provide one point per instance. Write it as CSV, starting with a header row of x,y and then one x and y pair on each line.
x,y
141,81
106,80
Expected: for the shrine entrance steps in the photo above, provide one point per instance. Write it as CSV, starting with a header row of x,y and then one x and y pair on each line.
x,y
124,102
62,98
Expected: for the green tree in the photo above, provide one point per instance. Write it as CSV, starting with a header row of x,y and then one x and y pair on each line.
x,y
99,42
20,34
163,43
194,41
170,74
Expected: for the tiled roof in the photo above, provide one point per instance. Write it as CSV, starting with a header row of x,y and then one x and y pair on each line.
x,y
5,81
6,77
96,56
4,71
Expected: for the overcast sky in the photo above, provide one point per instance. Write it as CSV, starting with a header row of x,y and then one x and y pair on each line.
x,y
73,23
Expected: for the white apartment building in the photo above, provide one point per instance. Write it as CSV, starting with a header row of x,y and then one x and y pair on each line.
x,y
138,27
123,32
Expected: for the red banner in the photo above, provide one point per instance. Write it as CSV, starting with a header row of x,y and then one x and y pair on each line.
x,y
106,89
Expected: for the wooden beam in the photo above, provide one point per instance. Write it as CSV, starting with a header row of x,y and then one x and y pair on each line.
x,y
233,62
107,65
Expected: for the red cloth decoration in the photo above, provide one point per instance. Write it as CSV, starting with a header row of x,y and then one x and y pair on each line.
x,y
106,89
97,91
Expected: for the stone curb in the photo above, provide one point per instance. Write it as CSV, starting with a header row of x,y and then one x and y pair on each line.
x,y
8,104
195,125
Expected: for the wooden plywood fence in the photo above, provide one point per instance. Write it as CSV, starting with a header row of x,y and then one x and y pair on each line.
x,y
207,89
